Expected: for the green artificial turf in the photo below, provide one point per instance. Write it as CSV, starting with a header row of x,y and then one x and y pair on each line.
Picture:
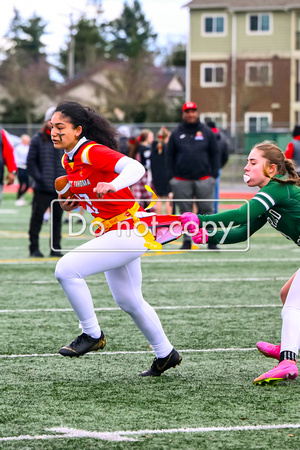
x,y
214,308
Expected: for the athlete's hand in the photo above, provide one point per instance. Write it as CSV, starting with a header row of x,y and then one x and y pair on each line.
x,y
103,188
68,204
10,178
201,237
189,221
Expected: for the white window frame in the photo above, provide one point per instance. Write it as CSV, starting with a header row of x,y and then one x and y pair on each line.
x,y
215,117
205,33
260,64
259,32
257,115
213,66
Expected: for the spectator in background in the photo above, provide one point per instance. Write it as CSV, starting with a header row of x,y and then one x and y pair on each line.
x,y
159,169
124,133
224,154
44,165
145,139
141,151
132,147
193,162
21,152
7,158
293,148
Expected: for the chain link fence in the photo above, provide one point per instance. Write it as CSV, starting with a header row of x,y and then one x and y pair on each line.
x,y
240,145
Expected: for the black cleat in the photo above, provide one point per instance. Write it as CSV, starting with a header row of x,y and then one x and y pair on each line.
x,y
83,344
213,247
187,245
56,254
36,254
159,365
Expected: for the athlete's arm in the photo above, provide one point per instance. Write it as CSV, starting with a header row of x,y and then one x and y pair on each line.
x,y
237,234
130,172
263,200
235,216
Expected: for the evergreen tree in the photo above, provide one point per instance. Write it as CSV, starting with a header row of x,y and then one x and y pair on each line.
x,y
24,72
130,40
89,47
130,35
176,56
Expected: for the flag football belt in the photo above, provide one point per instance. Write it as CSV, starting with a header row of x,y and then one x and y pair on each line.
x,y
131,213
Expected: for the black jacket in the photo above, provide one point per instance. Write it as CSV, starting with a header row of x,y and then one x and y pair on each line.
x,y
159,169
223,146
193,152
145,153
44,163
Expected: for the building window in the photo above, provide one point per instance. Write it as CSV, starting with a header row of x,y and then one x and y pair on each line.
x,y
260,23
258,74
213,75
213,25
219,118
257,122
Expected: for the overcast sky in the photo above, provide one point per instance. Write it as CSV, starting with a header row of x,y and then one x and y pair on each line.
x,y
168,18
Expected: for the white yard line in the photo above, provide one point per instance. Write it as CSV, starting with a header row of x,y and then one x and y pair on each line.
x,y
65,432
115,308
141,352
163,259
217,260
166,280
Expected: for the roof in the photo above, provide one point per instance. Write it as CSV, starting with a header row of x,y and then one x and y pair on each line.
x,y
244,5
161,76
87,77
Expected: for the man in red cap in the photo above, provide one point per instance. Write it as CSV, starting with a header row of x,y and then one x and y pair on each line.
x,y
193,162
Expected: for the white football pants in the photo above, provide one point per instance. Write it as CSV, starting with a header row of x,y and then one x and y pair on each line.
x,y
117,254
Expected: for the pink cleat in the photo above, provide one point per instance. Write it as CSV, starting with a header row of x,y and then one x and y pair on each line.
x,y
269,350
285,370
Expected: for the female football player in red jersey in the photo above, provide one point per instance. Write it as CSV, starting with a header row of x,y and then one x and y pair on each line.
x,y
277,202
96,171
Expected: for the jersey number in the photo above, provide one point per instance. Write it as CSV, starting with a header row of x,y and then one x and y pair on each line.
x,y
89,207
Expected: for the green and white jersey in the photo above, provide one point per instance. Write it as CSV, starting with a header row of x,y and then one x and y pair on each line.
x,y
278,204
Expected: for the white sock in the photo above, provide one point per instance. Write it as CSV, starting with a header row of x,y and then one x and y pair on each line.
x,y
163,349
46,215
91,327
290,334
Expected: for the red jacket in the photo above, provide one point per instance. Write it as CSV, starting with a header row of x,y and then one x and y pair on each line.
x,y
8,153
289,152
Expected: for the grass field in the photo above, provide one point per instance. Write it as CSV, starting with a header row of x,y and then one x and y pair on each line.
x,y
214,308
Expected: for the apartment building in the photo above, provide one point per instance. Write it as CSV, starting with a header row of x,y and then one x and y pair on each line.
x,y
243,62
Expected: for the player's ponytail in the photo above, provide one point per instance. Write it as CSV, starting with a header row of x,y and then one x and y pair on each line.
x,y
94,126
291,170
284,166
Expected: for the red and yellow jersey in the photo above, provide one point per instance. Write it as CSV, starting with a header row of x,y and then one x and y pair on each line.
x,y
93,163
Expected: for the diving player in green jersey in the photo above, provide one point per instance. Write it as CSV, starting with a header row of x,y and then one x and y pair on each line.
x,y
277,202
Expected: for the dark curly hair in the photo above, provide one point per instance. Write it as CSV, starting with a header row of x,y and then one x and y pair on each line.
x,y
94,126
